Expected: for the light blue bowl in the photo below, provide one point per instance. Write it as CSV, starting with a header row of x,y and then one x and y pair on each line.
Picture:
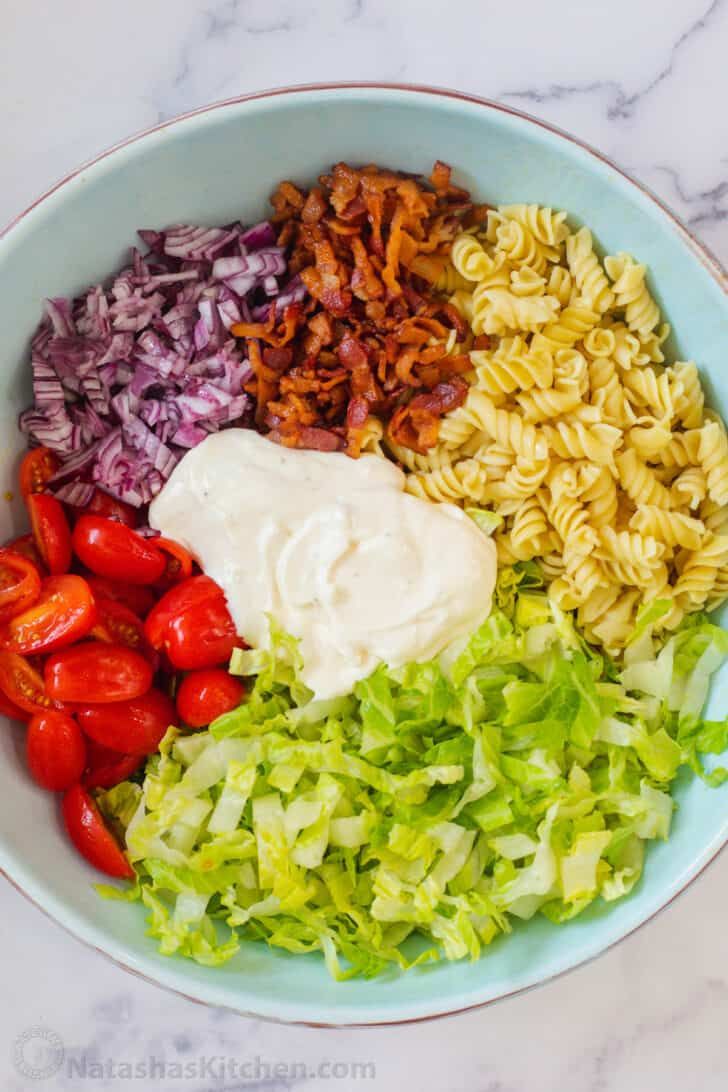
x,y
220,164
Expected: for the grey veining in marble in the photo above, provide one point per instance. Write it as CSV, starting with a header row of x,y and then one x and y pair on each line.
x,y
644,80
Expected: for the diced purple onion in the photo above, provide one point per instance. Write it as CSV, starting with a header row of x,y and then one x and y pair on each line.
x,y
259,236
130,375
77,494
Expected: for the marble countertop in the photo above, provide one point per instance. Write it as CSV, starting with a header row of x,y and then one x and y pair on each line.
x,y
644,81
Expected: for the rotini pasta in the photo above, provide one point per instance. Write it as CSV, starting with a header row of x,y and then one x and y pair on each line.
x,y
639,481
574,440
597,454
688,393
529,533
630,557
521,481
713,456
565,395
576,320
640,310
546,226
571,521
517,243
505,428
513,366
689,488
466,479
647,390
672,528
470,259
601,497
497,310
587,273
700,571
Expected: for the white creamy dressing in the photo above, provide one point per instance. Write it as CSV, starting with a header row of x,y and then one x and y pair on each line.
x,y
333,548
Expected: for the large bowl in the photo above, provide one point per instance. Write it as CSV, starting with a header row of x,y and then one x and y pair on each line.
x,y
220,164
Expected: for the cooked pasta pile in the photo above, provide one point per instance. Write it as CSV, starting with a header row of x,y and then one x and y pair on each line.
x,y
599,457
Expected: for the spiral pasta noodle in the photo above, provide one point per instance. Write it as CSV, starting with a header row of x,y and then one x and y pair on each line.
x,y
700,571
513,366
585,268
466,479
640,310
690,487
672,528
713,456
639,481
597,454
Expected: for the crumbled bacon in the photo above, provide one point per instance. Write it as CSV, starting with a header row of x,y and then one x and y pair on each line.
x,y
416,425
368,244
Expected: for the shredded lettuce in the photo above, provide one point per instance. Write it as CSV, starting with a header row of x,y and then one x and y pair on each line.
x,y
520,774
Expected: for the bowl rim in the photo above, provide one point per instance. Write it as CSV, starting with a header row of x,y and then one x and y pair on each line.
x,y
699,250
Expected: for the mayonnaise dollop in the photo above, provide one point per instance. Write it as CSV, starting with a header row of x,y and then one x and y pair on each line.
x,y
333,548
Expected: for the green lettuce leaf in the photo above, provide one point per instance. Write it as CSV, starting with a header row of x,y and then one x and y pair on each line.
x,y
520,773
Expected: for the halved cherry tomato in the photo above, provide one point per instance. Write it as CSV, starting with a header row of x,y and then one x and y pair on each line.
x,y
90,835
136,597
108,548
37,467
207,694
94,671
116,623
51,531
106,767
20,682
132,727
179,561
65,612
203,636
101,504
176,602
56,750
8,708
26,547
19,583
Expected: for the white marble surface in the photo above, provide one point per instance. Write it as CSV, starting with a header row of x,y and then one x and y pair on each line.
x,y
647,82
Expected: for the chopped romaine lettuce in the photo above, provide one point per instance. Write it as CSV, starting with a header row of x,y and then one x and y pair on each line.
x,y
520,773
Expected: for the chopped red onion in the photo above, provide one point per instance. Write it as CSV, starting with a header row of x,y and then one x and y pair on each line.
x,y
130,375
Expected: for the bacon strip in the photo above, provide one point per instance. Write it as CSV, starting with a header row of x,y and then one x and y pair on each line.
x,y
368,244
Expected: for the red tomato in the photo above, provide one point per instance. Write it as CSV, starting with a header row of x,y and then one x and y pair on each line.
x,y
64,613
179,561
56,750
179,599
20,682
19,583
8,708
37,467
94,671
204,636
26,547
116,623
132,727
107,768
136,597
102,504
108,548
50,530
207,694
90,835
